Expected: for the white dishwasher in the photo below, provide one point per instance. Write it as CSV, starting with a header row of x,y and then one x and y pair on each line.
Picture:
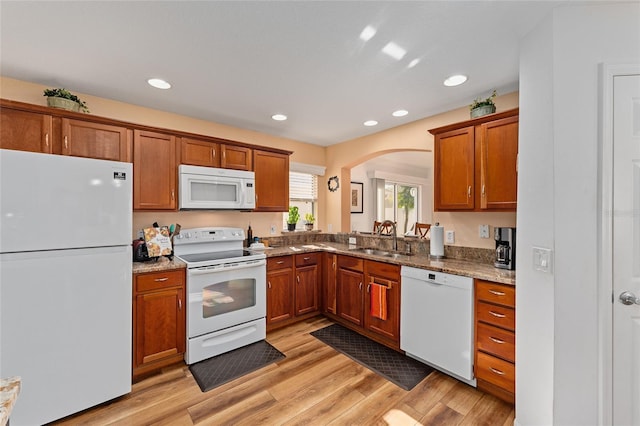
x,y
436,321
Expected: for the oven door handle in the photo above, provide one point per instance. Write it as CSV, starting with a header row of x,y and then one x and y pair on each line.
x,y
227,267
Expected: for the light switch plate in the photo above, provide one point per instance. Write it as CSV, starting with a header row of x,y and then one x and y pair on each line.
x,y
273,230
450,236
483,230
542,259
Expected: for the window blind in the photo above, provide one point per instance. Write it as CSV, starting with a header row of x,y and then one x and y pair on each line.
x,y
303,186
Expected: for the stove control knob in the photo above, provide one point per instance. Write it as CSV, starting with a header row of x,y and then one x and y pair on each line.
x,y
187,235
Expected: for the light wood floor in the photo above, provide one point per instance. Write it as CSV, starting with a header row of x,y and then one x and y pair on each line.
x,y
313,385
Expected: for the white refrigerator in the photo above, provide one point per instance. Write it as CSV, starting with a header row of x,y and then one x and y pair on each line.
x,y
65,282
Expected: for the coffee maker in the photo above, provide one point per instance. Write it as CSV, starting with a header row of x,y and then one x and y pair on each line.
x,y
505,248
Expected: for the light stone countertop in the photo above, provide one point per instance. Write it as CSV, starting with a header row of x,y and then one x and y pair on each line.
x,y
162,264
451,266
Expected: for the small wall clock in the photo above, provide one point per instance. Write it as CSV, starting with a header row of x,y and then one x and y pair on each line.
x,y
333,183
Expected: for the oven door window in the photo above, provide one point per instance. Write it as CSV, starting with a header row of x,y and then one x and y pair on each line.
x,y
228,296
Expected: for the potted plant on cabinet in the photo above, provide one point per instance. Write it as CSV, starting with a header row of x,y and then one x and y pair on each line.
x,y
294,217
480,107
62,98
309,220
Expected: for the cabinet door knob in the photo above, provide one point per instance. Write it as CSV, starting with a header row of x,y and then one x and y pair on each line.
x,y
483,193
298,278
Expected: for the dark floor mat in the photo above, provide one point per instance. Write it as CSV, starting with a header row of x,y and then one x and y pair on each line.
x,y
224,368
403,371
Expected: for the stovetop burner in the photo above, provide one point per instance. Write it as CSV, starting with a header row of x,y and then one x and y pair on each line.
x,y
212,246
215,256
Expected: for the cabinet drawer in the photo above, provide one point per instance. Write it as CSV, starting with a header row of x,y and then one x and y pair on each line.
x,y
307,259
280,262
349,262
384,270
497,371
497,315
496,293
496,341
159,280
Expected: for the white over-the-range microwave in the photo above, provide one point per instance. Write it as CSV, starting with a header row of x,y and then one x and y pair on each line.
x,y
209,188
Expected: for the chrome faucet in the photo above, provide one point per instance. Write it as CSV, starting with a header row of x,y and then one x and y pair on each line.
x,y
394,235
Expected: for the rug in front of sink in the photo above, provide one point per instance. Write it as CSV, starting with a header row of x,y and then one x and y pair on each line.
x,y
397,368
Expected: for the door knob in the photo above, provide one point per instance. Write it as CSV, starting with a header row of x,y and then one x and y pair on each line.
x,y
628,298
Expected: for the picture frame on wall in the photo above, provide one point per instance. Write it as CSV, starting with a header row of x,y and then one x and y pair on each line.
x,y
356,197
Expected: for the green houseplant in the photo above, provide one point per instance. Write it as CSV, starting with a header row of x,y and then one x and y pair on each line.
x,y
309,220
480,107
62,98
294,217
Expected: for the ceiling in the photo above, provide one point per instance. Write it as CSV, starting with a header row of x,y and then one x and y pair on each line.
x,y
240,62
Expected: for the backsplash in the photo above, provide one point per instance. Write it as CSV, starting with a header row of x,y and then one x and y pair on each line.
x,y
414,245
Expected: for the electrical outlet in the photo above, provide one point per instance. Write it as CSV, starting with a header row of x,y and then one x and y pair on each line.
x,y
273,230
352,240
451,237
542,259
483,231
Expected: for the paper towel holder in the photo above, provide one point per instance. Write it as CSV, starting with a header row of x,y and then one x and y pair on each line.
x,y
437,236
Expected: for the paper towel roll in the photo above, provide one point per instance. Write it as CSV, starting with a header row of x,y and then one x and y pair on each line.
x,y
437,241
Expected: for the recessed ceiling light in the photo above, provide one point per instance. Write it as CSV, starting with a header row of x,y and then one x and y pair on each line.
x,y
368,33
158,83
455,80
370,123
279,117
413,63
400,113
393,50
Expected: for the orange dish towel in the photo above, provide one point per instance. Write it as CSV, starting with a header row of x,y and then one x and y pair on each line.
x,y
379,301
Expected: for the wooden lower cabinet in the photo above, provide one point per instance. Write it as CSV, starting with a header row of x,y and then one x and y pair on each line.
x,y
328,287
293,288
159,320
495,331
354,280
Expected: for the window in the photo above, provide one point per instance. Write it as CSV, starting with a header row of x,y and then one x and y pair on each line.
x,y
303,193
401,205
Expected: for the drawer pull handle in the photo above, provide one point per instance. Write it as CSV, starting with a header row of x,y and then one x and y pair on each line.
x,y
180,304
269,284
496,340
280,262
496,292
160,280
306,258
497,315
501,373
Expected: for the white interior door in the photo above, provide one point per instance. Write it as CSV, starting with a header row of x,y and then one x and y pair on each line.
x,y
626,250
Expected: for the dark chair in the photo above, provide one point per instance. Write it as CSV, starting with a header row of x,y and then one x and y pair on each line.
x,y
421,229
386,229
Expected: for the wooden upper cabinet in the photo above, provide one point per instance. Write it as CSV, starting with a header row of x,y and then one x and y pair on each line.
x,y
272,181
475,164
154,171
236,157
93,140
199,153
454,170
25,131
498,164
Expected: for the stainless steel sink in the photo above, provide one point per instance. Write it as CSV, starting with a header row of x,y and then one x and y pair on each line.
x,y
377,252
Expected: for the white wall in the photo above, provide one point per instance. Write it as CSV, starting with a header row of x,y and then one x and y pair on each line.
x,y
557,330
